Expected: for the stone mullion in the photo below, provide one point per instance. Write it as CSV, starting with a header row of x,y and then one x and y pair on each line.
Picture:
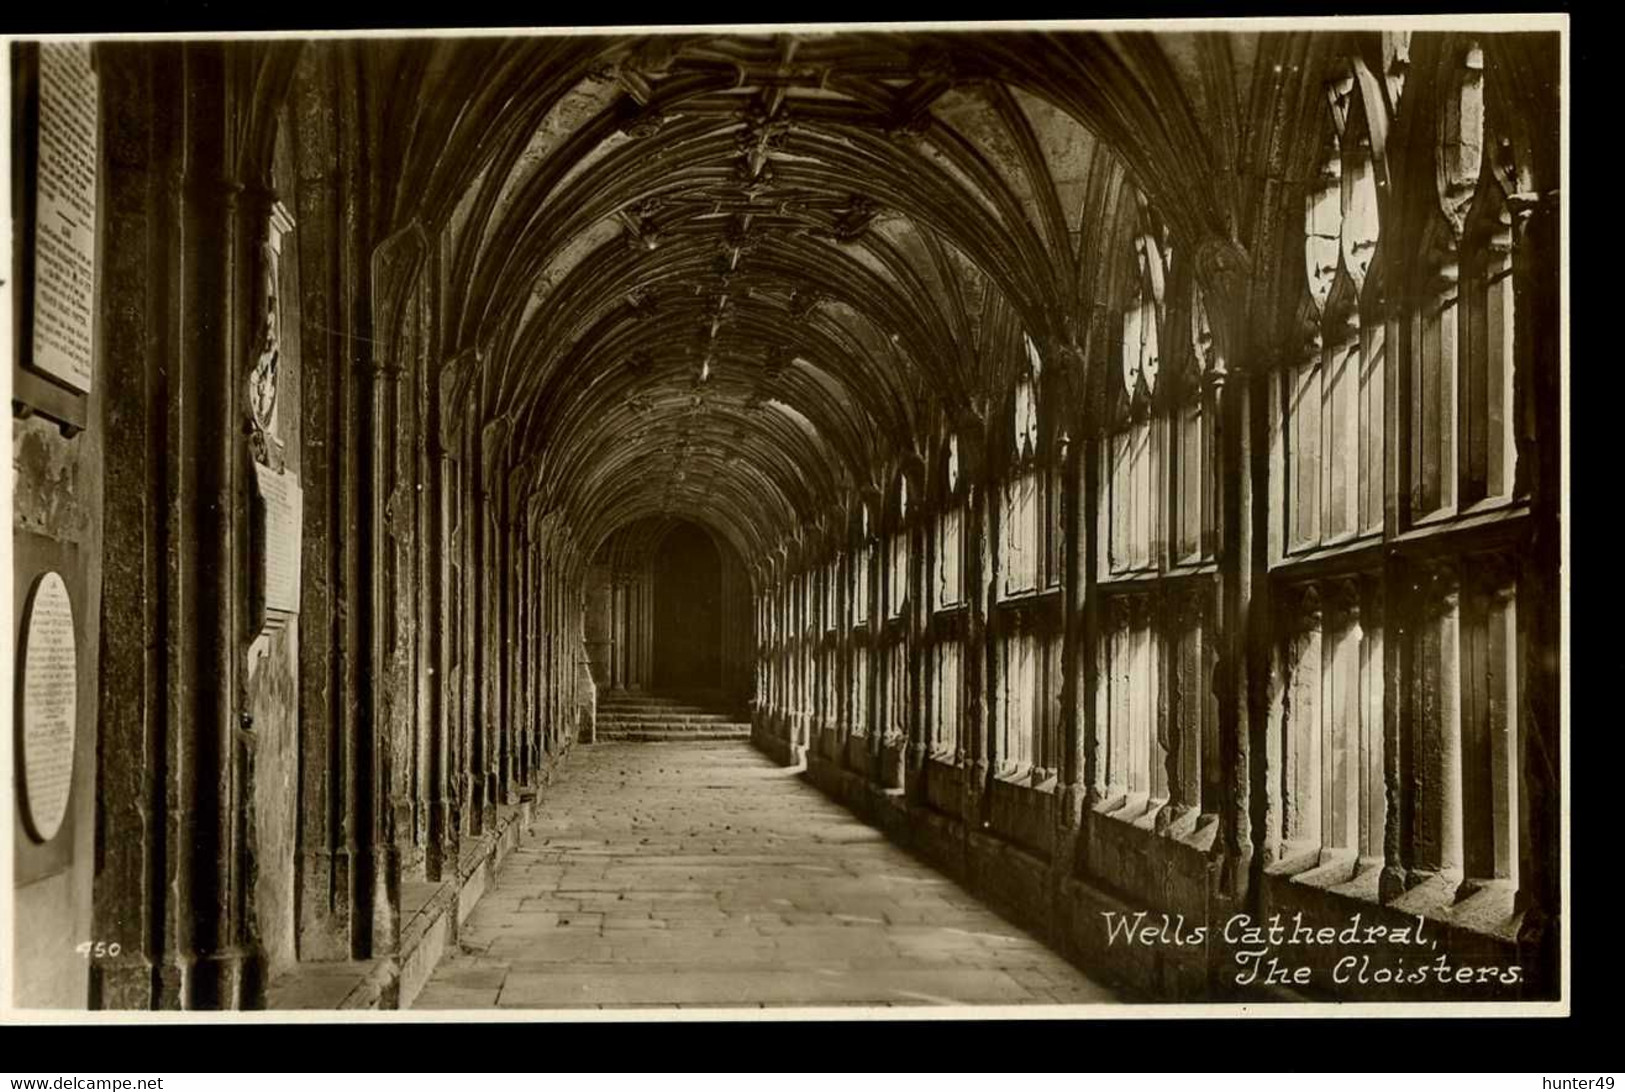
x,y
916,746
1072,783
1242,476
981,559
1089,660
1185,641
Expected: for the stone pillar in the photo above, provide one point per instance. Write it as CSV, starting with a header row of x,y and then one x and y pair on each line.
x,y
441,850
917,744
981,558
1091,757
1537,354
378,740
1072,786
329,639
1432,723
142,199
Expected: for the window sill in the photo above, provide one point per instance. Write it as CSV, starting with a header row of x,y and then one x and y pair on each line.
x,y
1137,810
1023,778
1485,907
1344,549
1478,517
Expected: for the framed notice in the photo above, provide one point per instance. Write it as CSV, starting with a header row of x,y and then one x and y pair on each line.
x,y
55,187
277,537
53,732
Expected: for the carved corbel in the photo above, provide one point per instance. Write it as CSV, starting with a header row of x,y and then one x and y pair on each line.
x,y
1219,326
637,120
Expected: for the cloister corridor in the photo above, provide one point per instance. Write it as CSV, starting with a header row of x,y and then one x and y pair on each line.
x,y
1008,514
703,875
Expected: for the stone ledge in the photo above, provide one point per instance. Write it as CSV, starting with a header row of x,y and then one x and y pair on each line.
x,y
432,915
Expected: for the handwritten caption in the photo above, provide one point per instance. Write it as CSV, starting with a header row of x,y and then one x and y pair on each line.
x,y
1277,951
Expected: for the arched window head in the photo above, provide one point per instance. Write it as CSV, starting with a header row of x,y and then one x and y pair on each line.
x,y
1461,137
953,464
1203,347
863,519
1323,224
1340,214
1141,359
1396,64
1035,363
1360,225
902,498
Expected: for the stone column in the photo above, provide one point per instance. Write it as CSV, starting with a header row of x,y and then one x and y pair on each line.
x,y
917,744
1538,352
1432,723
1072,787
442,847
142,201
981,557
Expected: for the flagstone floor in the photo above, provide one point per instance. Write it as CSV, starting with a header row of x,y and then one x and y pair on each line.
x,y
695,874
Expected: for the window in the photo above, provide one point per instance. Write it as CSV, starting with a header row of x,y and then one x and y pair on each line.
x,y
949,581
863,592
1157,524
946,632
1331,401
897,556
860,690
1134,766
1021,542
1029,641
1332,760
832,593
865,552
1458,375
947,698
894,650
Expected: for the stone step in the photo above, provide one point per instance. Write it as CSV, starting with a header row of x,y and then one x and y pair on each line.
x,y
644,718
673,726
652,736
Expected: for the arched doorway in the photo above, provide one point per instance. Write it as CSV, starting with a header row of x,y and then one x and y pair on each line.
x,y
687,612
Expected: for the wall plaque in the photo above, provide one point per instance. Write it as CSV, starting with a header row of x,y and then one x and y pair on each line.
x,y
65,215
280,540
48,706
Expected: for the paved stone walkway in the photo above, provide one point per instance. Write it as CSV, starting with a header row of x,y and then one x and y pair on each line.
x,y
700,875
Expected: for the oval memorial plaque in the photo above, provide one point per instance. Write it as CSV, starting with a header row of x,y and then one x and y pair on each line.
x,y
48,706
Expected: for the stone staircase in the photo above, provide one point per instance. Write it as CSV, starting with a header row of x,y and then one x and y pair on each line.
x,y
640,717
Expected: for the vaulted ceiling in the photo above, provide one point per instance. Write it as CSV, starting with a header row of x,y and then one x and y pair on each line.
x,y
741,279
